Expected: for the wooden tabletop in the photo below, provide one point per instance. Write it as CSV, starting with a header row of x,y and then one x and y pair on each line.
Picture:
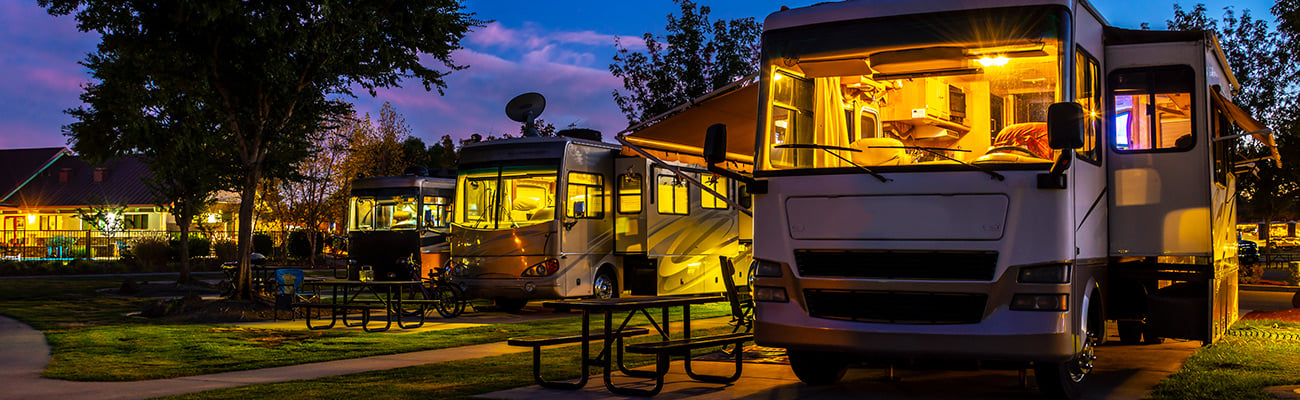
x,y
634,303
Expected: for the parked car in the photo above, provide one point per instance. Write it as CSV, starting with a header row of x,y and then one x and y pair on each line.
x,y
1247,252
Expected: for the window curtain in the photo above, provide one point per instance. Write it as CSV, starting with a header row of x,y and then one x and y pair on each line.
x,y
829,130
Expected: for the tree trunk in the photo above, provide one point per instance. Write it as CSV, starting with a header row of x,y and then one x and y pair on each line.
x,y
184,276
247,199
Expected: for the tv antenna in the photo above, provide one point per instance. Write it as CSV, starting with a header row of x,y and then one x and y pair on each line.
x,y
525,108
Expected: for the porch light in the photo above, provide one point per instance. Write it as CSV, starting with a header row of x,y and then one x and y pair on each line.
x,y
213,218
31,219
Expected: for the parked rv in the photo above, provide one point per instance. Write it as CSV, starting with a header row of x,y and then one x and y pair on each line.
x,y
392,219
558,217
937,179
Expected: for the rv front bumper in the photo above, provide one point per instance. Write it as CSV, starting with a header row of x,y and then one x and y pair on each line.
x,y
1004,335
510,288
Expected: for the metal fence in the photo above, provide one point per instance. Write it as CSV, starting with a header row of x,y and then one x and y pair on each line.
x,y
72,244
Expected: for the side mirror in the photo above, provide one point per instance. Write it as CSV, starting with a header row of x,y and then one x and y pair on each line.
x,y
1065,125
715,144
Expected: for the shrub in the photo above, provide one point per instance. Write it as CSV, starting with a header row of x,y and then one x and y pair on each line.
x,y
75,252
226,250
199,247
151,252
300,244
262,243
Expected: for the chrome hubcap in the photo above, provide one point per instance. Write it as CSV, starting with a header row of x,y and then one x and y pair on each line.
x,y
604,287
1082,365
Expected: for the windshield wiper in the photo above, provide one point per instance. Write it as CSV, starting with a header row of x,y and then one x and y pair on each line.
x,y
828,150
937,151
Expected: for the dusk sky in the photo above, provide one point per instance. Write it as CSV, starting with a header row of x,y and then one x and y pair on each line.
x,y
560,48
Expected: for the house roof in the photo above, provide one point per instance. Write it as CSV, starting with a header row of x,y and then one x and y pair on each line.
x,y
18,166
122,184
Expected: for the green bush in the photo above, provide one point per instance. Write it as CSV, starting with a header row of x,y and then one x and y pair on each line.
x,y
262,243
300,244
199,247
150,253
226,250
75,252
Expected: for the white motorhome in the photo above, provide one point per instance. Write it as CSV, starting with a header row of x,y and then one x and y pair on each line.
x,y
556,217
950,180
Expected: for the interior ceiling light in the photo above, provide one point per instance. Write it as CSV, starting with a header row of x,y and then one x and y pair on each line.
x,y
993,61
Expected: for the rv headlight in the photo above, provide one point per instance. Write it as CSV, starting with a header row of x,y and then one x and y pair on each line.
x,y
1040,302
544,268
774,294
1055,273
460,268
767,269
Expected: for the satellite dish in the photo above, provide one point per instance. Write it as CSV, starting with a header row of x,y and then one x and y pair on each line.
x,y
525,108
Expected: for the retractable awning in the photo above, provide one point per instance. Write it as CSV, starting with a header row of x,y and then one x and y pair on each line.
x,y
1243,119
681,130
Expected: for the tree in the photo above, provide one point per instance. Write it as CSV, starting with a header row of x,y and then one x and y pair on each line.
x,y
694,58
271,74
543,128
1258,56
313,201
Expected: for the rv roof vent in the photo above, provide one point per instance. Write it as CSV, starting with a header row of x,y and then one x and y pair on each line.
x,y
581,133
417,170
526,108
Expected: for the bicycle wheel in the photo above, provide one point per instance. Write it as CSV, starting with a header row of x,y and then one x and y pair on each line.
x,y
450,301
422,293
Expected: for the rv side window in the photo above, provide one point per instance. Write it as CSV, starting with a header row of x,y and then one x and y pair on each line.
x,y
717,184
586,196
435,212
791,117
629,193
672,197
1087,85
1153,109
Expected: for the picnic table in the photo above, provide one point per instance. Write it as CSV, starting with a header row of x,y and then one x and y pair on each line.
x,y
613,340
388,297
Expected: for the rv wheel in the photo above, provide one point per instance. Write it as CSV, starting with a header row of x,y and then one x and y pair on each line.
x,y
605,286
510,305
1065,380
817,367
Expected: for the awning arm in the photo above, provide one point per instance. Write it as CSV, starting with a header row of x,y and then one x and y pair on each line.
x,y
679,174
1264,131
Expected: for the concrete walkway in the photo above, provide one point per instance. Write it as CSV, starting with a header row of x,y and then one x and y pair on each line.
x,y
24,354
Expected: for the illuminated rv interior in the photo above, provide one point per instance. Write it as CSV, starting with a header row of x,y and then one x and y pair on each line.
x,y
397,213
953,89
508,197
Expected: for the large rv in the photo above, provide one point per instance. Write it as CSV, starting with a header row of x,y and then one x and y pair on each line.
x,y
938,179
393,218
557,217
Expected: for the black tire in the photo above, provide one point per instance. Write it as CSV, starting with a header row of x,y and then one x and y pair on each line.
x,y
1130,332
510,305
450,301
817,368
605,286
1065,380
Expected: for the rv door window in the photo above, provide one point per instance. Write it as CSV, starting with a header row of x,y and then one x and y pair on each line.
x,y
1153,109
717,184
586,196
672,195
1087,86
629,193
435,212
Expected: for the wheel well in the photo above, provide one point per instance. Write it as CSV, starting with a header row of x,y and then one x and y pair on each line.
x,y
608,268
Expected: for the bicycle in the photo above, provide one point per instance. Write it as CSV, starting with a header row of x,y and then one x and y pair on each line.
x,y
450,302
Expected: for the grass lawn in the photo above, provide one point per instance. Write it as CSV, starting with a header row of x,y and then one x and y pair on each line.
x,y
92,340
448,380
1253,355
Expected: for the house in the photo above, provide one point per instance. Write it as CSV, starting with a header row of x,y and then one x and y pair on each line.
x,y
43,189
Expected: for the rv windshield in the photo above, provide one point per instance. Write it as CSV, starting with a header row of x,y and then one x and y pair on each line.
x,y
383,213
914,92
505,197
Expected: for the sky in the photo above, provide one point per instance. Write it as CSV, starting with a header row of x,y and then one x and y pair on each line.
x,y
559,48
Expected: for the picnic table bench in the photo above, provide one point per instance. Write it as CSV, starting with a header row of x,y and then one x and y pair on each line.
x,y
536,342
